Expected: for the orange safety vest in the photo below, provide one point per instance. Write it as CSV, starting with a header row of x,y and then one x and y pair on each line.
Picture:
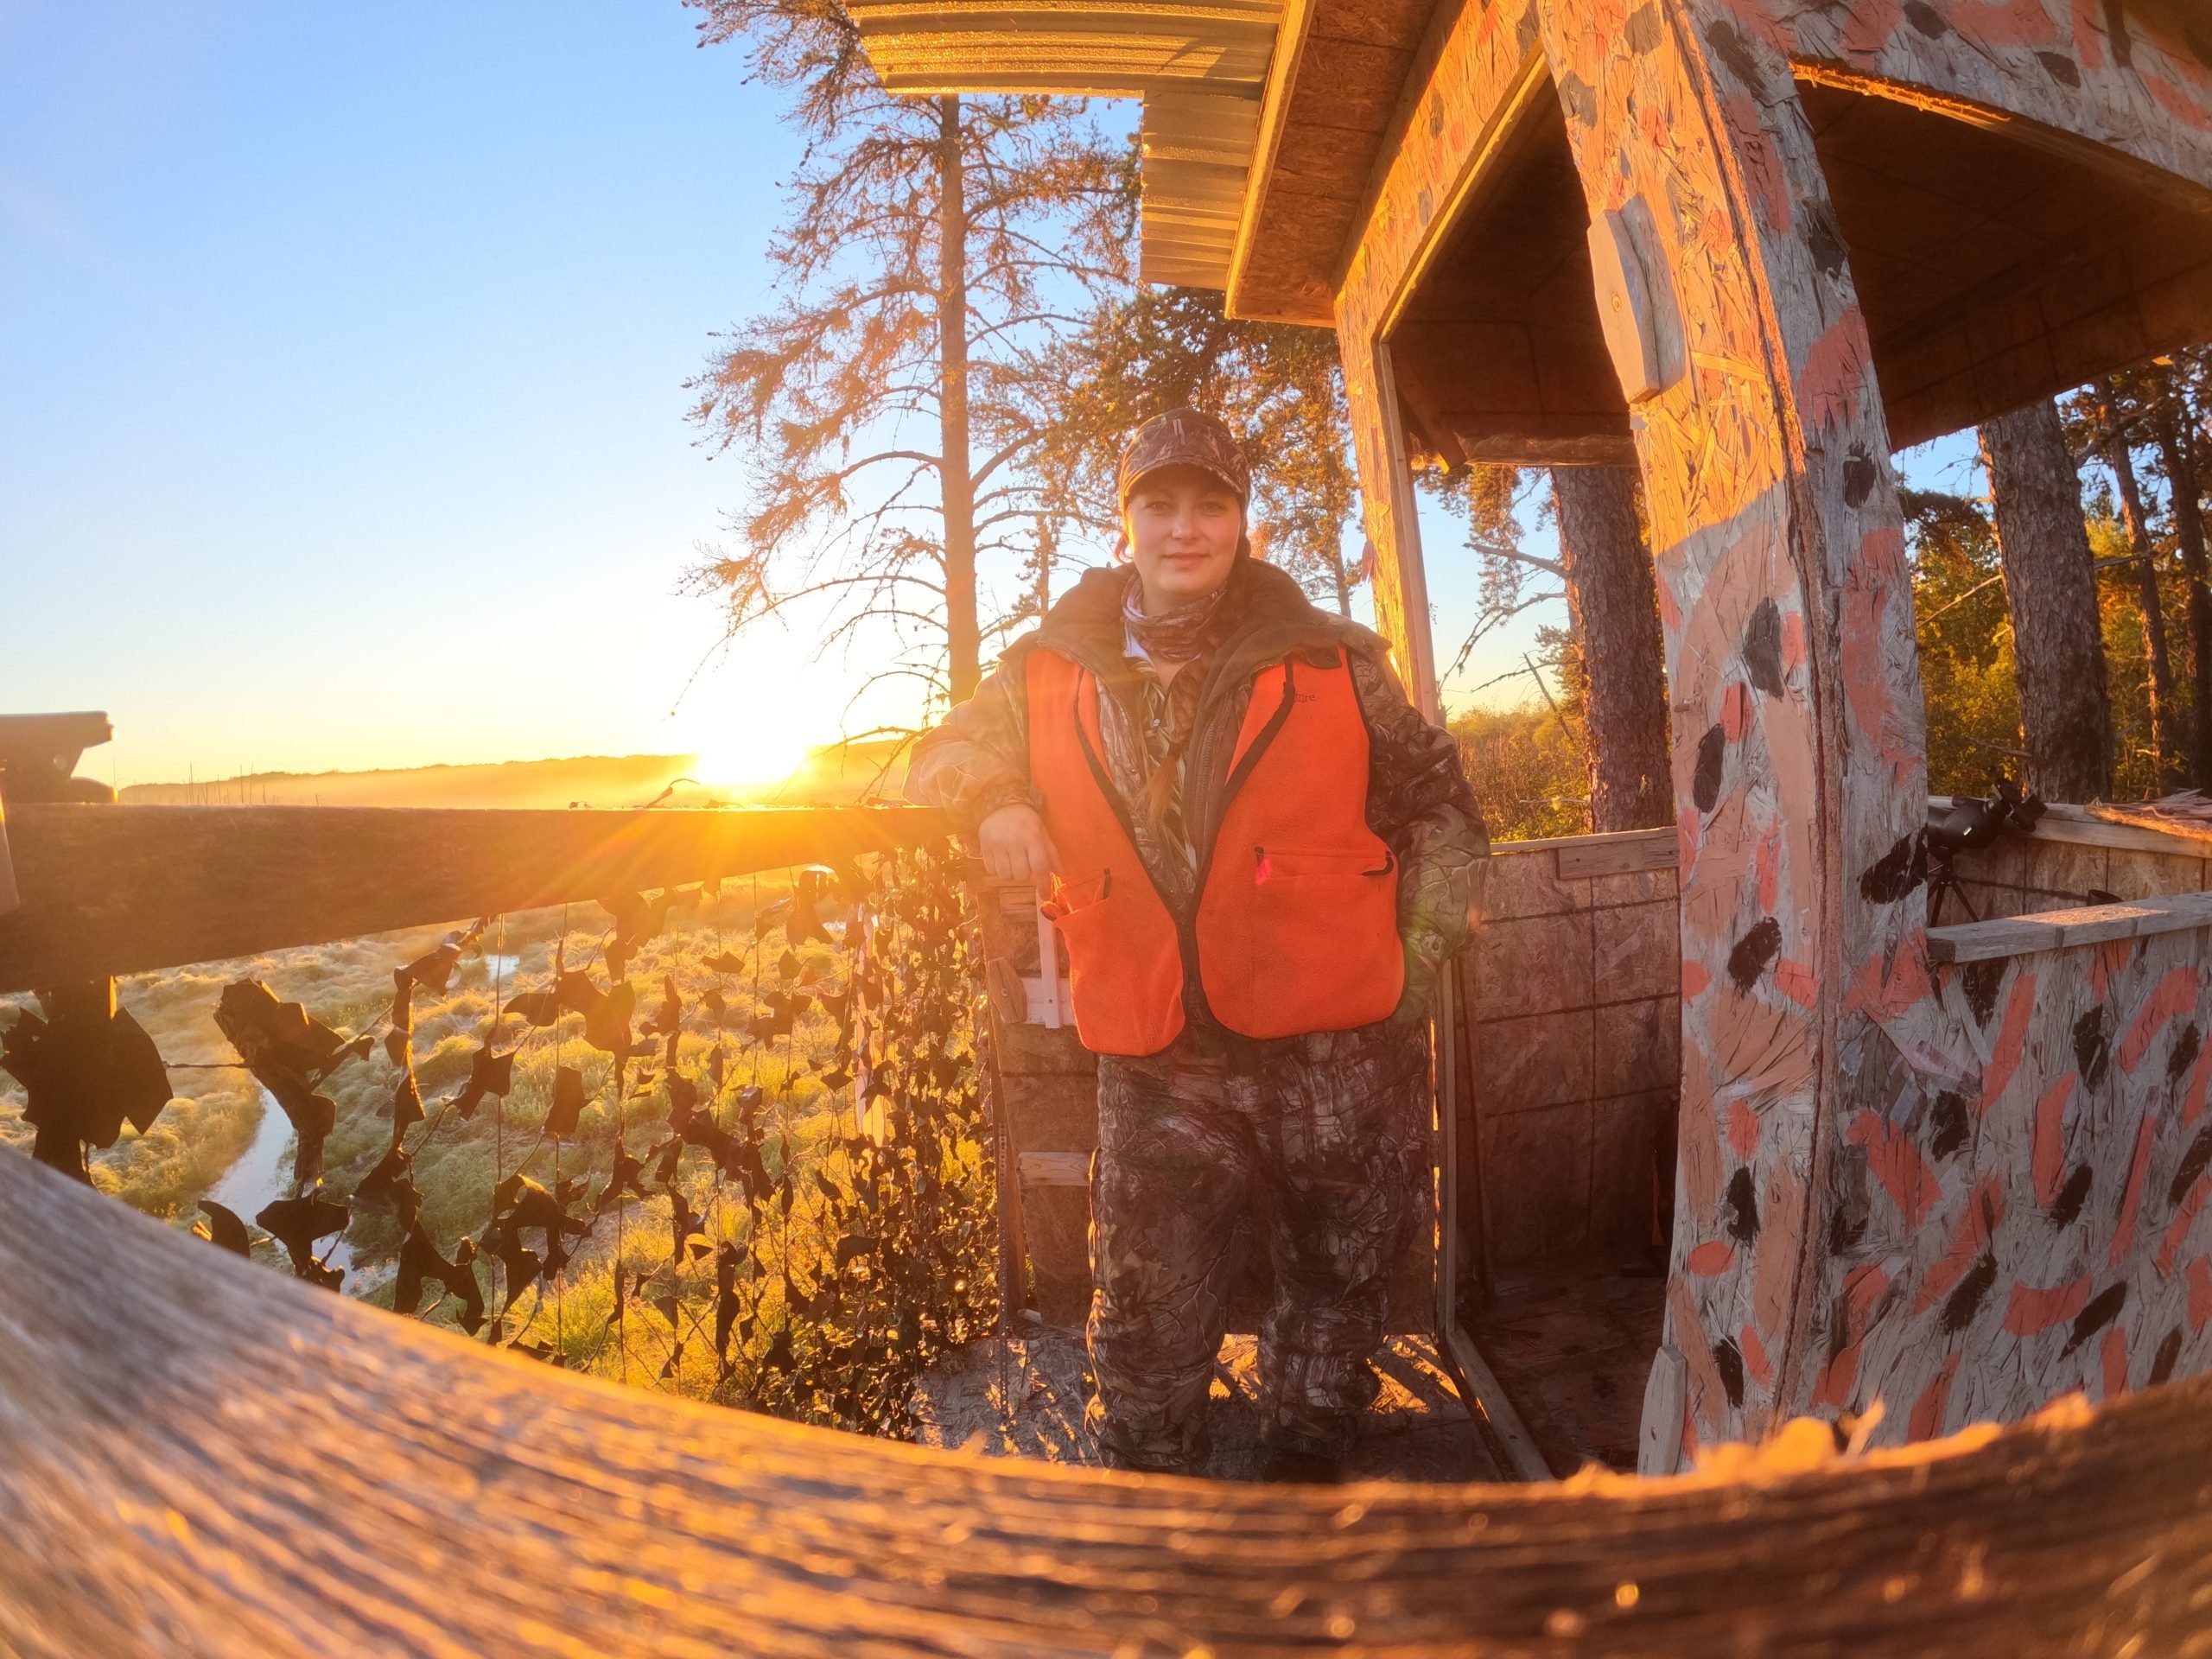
x,y
1296,924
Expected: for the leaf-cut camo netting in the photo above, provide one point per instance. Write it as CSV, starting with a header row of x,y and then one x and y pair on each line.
x,y
725,1140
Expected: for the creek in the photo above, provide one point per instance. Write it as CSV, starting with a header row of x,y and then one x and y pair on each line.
x,y
263,1173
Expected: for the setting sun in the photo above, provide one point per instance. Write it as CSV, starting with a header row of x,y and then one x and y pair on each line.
x,y
760,751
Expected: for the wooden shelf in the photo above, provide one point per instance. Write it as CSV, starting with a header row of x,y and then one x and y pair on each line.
x,y
2066,930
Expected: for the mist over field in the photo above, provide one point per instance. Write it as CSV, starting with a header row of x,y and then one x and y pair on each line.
x,y
834,774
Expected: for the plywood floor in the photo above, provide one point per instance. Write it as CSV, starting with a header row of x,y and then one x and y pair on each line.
x,y
1572,1344
1025,1398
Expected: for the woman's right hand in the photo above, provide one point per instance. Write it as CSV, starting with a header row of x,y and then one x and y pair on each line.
x,y
1015,846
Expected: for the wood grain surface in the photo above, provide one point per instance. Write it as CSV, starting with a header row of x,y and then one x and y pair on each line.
x,y
200,1456
125,890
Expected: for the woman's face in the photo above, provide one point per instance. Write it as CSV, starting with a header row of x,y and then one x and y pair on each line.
x,y
1183,526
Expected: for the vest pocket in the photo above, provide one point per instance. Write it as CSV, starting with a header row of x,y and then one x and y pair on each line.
x,y
1306,940
1072,898
1280,864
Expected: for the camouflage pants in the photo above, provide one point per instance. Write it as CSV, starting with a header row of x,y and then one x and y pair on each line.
x,y
1335,1128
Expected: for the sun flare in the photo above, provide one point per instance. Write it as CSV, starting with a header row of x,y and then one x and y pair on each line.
x,y
761,751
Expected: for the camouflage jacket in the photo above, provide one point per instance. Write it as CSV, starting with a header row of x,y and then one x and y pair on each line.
x,y
1418,800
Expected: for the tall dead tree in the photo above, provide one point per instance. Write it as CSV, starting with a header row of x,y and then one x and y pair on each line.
x,y
2179,457
1613,600
2050,591
936,251
2158,664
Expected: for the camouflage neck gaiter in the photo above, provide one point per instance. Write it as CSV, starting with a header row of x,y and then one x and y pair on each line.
x,y
1182,635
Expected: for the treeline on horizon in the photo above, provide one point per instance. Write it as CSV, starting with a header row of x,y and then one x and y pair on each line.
x,y
833,775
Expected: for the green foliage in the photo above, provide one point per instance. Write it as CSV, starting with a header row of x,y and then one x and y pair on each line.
x,y
1966,643
2120,612
1529,770
2129,418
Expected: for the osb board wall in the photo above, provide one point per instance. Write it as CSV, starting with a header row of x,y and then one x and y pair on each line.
x,y
2042,1227
1572,1024
1818,1044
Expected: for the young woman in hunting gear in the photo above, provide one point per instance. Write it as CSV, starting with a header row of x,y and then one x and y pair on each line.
x,y
1259,854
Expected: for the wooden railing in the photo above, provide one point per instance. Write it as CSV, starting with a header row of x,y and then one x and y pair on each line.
x,y
125,890
196,1457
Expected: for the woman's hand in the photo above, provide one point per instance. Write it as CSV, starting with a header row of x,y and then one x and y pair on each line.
x,y
1015,846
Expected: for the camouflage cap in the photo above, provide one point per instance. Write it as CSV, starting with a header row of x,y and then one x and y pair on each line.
x,y
1186,437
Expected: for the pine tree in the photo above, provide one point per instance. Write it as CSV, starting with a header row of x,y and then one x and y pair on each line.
x,y
1613,603
2051,593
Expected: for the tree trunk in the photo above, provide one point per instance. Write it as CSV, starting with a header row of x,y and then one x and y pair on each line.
x,y
2188,530
1048,555
1615,602
2050,589
1340,573
2161,673
957,484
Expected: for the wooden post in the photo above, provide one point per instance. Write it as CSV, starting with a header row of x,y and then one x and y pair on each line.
x,y
1401,581
9,901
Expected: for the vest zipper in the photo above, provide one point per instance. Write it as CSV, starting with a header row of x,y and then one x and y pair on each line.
x,y
1186,927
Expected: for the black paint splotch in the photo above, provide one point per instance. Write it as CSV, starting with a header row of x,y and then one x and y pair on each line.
x,y
1853,1205
2091,1049
1926,19
2067,1208
1981,980
1965,1301
1896,873
1742,1207
1705,782
2104,1308
1762,647
1859,476
2194,1163
1754,952
1728,1360
1947,1124
2163,1362
1730,45
2186,1049
1579,99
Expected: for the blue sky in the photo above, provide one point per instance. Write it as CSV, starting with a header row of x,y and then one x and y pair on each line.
x,y
343,349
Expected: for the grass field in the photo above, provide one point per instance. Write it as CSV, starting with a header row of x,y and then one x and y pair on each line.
x,y
815,1306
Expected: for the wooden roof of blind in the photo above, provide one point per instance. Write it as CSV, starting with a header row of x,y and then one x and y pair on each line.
x,y
1200,65
1262,118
